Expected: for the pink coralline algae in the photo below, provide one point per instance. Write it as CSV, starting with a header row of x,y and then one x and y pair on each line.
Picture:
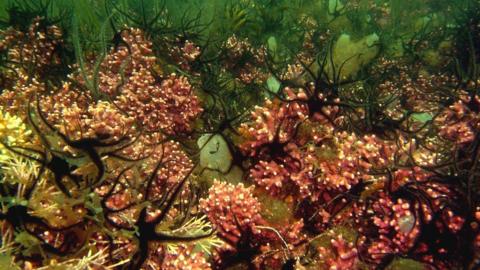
x,y
293,169
459,123
341,256
164,165
274,138
75,115
165,104
273,123
270,175
184,53
175,166
396,227
322,168
32,56
185,258
356,157
233,210
394,224
38,46
246,72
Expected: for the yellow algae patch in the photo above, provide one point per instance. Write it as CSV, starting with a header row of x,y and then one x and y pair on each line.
x,y
14,132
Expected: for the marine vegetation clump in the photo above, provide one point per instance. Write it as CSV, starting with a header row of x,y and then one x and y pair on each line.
x,y
311,134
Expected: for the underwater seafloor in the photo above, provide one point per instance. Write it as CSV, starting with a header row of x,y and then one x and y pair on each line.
x,y
249,134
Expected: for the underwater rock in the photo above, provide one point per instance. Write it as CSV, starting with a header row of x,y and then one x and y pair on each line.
x,y
422,117
214,153
273,84
272,45
350,56
273,50
406,224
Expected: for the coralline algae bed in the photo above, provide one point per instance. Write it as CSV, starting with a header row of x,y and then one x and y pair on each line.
x,y
253,134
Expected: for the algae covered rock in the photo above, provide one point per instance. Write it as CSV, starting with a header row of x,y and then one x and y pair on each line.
x,y
279,212
272,45
349,56
214,153
406,264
